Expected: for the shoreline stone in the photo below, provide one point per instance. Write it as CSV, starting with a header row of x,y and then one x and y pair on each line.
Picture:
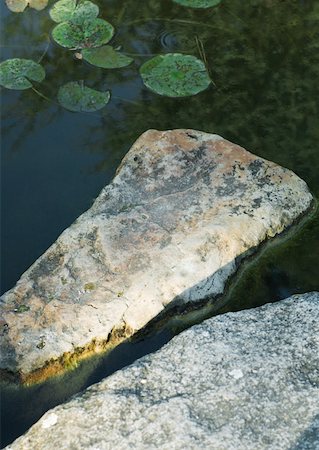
x,y
183,210
240,381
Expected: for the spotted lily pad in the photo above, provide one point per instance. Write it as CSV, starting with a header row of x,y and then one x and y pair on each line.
x,y
90,33
16,73
198,3
76,97
106,57
73,11
175,75
20,5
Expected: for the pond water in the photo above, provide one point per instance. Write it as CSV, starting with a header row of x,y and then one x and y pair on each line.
x,y
263,58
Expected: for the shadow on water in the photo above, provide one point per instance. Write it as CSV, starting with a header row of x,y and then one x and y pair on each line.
x,y
264,59
309,437
21,407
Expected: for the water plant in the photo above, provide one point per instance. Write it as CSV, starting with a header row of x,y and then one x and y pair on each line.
x,y
77,97
198,3
78,28
105,57
73,11
90,33
175,75
20,5
17,73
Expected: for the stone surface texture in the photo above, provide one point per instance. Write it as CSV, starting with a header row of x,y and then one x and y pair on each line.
x,y
241,381
183,209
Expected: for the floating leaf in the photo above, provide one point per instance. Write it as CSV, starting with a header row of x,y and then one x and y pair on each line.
x,y
17,5
16,73
38,4
175,75
74,96
71,11
106,57
198,3
90,33
20,5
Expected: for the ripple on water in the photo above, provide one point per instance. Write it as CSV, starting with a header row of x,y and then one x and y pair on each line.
x,y
156,37
176,40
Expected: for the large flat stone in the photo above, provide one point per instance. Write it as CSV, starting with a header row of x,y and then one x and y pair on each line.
x,y
241,381
183,210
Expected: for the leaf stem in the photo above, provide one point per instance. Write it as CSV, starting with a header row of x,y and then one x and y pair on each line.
x,y
45,50
126,100
43,96
202,54
150,54
157,19
121,13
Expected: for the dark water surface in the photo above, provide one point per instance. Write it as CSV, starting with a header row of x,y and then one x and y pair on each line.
x,y
264,59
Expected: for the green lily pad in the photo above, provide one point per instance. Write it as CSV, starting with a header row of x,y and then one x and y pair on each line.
x,y
76,97
73,11
175,75
16,73
198,3
106,57
90,33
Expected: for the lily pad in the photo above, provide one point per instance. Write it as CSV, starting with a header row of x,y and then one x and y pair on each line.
x,y
17,5
198,3
76,97
16,73
73,11
20,5
106,57
175,75
38,4
90,33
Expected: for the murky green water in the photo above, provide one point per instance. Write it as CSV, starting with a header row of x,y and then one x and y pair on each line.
x,y
263,57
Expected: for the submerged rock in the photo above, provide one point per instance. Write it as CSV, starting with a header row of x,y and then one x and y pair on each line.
x,y
241,381
182,211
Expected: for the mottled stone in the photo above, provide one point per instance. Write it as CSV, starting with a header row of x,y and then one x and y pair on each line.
x,y
182,211
241,381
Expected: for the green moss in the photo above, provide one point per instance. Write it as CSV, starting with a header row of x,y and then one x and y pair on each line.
x,y
70,361
22,309
41,344
89,286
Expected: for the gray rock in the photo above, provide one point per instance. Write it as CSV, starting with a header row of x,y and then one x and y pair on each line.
x,y
241,381
183,210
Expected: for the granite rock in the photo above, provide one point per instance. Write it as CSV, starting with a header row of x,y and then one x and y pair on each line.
x,y
241,381
183,210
